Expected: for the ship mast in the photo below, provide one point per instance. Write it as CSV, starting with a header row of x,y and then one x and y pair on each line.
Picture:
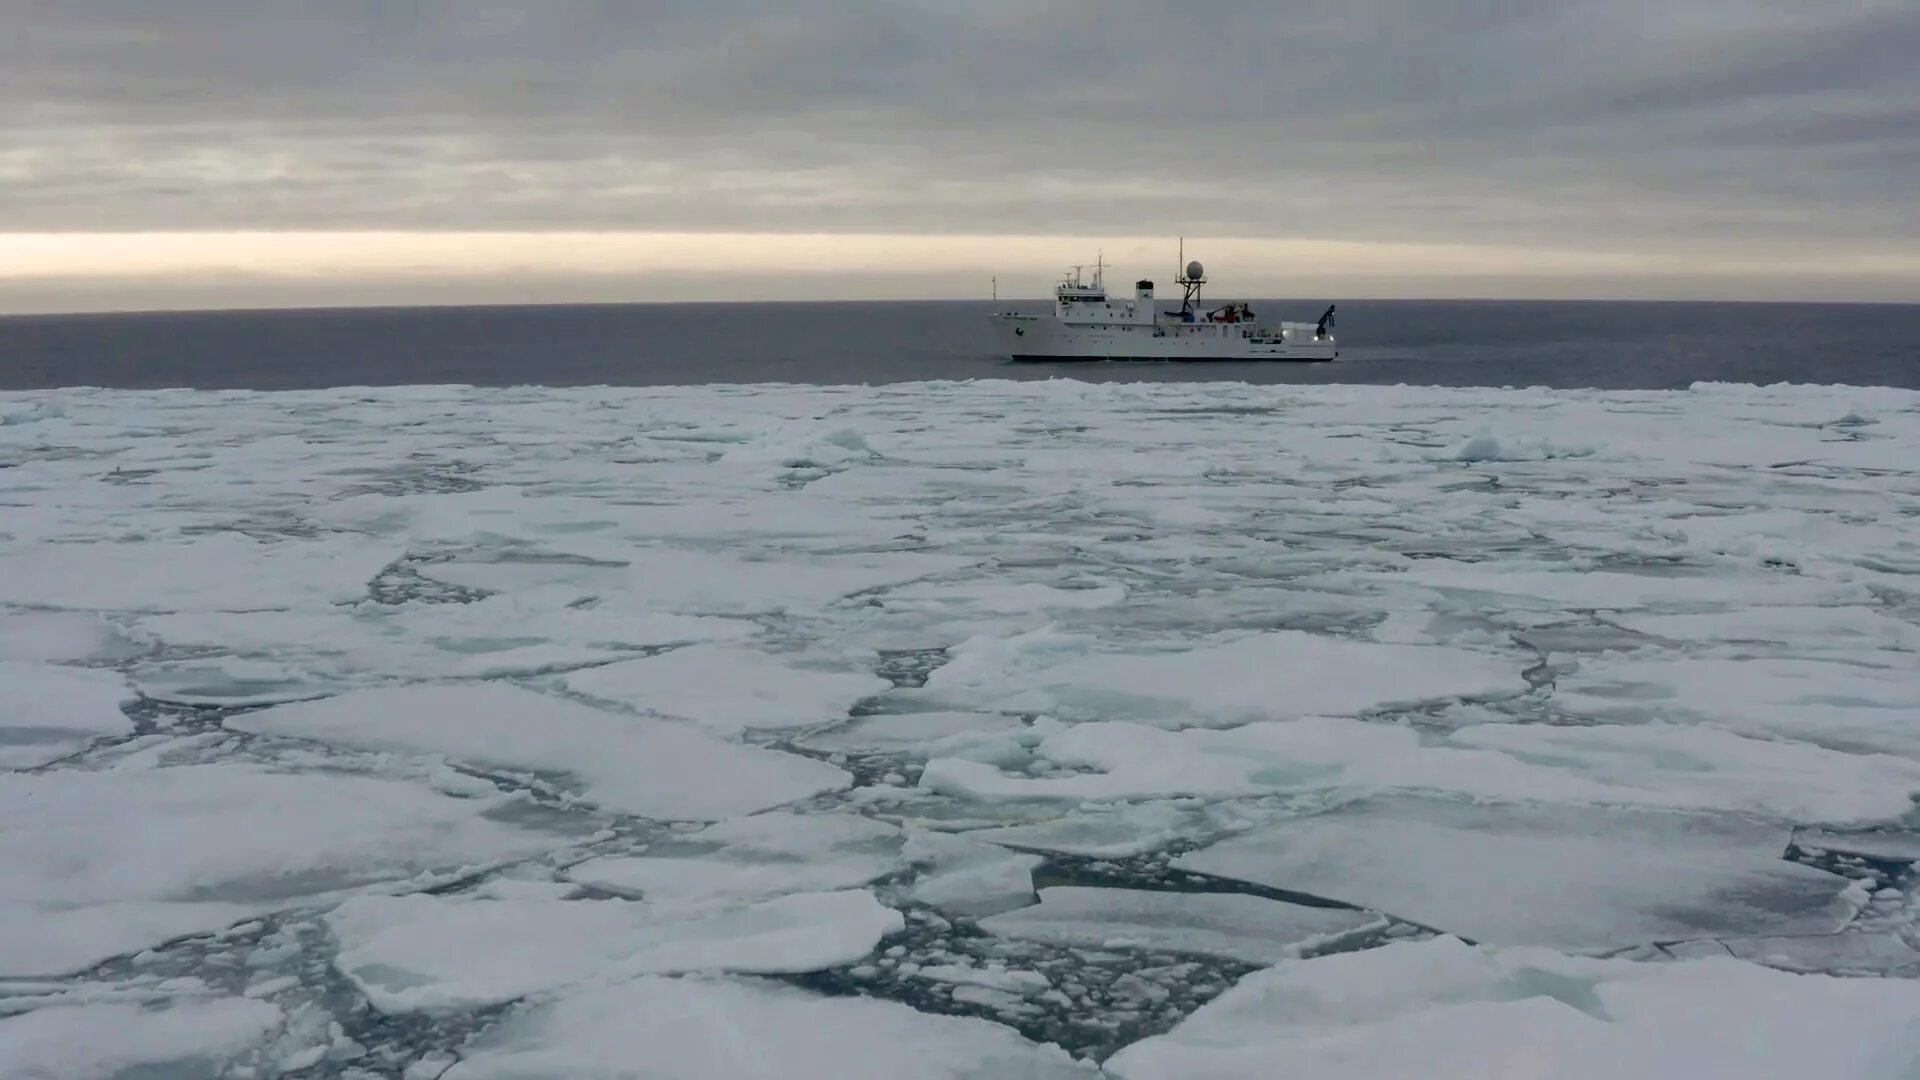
x,y
1190,276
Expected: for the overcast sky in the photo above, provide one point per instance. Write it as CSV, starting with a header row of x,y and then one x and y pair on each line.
x,y
1764,148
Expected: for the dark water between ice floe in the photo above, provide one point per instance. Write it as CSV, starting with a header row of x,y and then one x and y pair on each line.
x,y
1448,343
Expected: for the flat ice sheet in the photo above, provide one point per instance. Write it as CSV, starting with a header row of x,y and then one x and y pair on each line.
x,y
429,953
103,1041
48,711
752,858
61,635
1576,879
906,733
913,628
964,876
704,583
1276,676
101,863
1232,926
643,765
1864,704
222,572
729,689
1655,765
1447,1010
696,1029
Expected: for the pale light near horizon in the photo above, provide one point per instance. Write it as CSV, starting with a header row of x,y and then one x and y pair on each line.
x,y
53,271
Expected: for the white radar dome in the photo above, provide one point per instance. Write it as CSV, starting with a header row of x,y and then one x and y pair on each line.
x,y
1194,269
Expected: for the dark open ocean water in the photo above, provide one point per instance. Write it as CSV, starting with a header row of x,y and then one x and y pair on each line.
x,y
1451,343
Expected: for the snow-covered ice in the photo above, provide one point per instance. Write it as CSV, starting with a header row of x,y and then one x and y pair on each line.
x,y
61,635
728,689
108,1040
1229,925
1444,1009
431,953
1276,676
1570,878
643,765
965,876
696,1029
754,857
49,711
506,708
105,862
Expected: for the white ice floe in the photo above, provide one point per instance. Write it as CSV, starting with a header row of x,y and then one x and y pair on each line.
x,y
965,876
435,954
1015,982
642,765
1856,706
754,857
905,733
1112,831
1649,765
1005,599
184,1038
1833,631
1231,926
695,1029
61,635
1274,676
268,656
221,572
1445,1010
700,582
1544,666
1866,953
103,863
1704,768
1577,879
729,689
48,712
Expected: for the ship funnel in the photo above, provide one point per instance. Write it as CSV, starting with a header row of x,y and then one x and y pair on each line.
x,y
1143,290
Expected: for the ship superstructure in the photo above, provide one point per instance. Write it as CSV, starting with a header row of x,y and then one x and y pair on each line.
x,y
1089,324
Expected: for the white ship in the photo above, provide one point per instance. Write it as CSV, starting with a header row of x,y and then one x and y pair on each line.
x,y
1087,324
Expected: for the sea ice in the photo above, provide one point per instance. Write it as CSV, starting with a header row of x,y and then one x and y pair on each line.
x,y
642,765
703,583
1880,953
430,953
61,635
48,712
1852,706
1231,926
1275,676
754,857
1647,765
1841,630
221,572
696,1029
1005,599
965,876
1442,1009
1901,846
1705,768
1115,831
727,689
1572,878
1647,652
188,1037
102,863
905,733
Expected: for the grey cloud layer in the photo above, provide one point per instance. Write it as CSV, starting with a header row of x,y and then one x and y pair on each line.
x,y
1725,122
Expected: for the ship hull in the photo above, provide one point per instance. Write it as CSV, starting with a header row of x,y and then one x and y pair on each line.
x,y
1030,339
